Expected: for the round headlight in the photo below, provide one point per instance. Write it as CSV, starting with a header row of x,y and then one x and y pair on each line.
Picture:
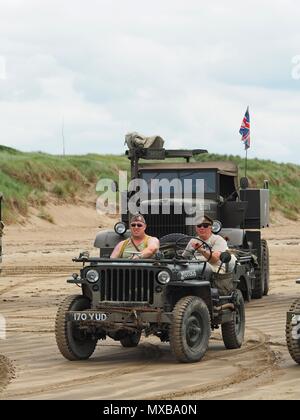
x,y
163,277
92,276
120,228
216,227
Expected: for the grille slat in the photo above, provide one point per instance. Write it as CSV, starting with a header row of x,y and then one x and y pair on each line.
x,y
118,284
127,285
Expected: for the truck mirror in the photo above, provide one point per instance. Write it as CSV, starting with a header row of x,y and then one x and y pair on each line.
x,y
244,183
266,184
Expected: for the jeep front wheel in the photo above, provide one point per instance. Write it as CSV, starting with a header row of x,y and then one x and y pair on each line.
x,y
292,332
73,343
190,329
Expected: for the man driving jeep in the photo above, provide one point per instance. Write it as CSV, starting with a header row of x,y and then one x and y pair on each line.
x,y
139,245
216,242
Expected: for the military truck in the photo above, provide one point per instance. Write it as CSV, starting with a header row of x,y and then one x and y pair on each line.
x,y
293,329
1,229
178,299
239,212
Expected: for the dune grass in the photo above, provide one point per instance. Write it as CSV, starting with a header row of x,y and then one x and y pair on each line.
x,y
29,179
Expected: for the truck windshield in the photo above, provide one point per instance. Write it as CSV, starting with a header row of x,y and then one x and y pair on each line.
x,y
209,178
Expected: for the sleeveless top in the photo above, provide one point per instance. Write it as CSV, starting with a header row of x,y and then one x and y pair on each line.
x,y
128,248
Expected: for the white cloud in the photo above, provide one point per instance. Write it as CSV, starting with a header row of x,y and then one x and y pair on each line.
x,y
186,71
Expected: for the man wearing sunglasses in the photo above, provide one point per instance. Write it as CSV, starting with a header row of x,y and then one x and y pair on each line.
x,y
139,245
216,242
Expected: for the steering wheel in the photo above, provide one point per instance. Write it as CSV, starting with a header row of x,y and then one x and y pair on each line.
x,y
181,244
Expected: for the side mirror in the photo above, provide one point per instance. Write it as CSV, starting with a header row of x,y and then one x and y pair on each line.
x,y
266,184
225,257
244,183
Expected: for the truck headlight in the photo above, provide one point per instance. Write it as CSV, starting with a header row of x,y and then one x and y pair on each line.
x,y
120,228
92,276
163,277
216,227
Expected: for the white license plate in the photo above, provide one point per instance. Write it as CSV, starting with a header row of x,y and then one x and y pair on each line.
x,y
89,316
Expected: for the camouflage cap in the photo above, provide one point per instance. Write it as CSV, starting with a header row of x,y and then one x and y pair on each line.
x,y
138,218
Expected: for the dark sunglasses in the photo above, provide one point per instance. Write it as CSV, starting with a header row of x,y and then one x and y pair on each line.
x,y
136,225
205,225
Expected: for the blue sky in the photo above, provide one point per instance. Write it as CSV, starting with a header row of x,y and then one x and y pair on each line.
x,y
182,70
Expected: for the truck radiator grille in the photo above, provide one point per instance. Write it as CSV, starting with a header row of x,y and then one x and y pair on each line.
x,y
162,224
127,285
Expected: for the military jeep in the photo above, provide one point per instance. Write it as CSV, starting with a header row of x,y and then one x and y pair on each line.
x,y
293,330
175,299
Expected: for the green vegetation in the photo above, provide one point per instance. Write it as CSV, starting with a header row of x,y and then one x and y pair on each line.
x,y
29,179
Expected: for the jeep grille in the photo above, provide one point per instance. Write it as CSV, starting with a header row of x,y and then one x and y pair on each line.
x,y
127,285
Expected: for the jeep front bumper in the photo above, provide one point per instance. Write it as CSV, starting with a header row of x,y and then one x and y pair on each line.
x,y
122,317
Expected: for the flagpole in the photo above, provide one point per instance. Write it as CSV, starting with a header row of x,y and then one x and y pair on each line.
x,y
246,148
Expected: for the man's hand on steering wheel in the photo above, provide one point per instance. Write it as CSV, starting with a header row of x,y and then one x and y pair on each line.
x,y
197,245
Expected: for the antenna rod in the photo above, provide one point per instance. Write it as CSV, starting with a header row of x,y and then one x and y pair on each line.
x,y
63,137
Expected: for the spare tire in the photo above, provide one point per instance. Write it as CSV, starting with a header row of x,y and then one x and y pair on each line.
x,y
168,243
172,238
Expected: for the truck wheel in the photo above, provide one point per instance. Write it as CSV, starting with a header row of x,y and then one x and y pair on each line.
x,y
131,340
190,329
73,343
265,256
233,332
261,273
292,333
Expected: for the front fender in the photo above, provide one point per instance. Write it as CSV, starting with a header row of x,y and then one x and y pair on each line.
x,y
193,287
189,283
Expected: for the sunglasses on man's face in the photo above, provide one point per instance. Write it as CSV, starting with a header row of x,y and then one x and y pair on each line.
x,y
136,225
205,225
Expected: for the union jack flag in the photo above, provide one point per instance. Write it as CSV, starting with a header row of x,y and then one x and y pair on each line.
x,y
245,129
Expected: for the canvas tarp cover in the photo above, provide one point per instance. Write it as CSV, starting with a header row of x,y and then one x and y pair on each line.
x,y
136,140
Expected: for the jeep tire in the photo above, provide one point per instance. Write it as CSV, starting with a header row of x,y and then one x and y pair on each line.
x,y
190,329
73,343
293,343
233,332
